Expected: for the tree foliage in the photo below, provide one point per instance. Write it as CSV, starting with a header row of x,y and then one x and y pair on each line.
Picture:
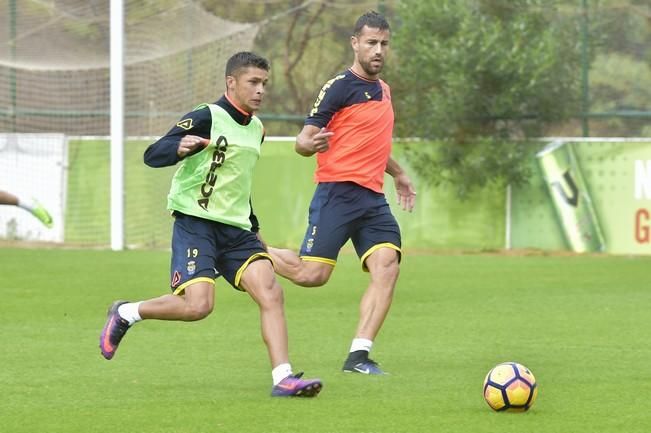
x,y
620,73
480,77
307,43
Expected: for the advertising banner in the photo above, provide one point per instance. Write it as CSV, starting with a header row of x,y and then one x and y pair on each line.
x,y
590,195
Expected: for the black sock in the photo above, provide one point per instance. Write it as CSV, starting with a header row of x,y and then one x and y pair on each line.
x,y
358,356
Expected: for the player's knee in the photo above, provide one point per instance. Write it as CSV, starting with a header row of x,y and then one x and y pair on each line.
x,y
199,310
391,271
313,276
384,266
392,268
271,296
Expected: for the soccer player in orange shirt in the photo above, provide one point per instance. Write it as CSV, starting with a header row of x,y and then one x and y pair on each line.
x,y
350,129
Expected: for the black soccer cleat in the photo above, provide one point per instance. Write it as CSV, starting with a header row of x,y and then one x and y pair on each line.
x,y
359,362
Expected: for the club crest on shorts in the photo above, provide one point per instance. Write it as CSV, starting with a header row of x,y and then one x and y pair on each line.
x,y
192,266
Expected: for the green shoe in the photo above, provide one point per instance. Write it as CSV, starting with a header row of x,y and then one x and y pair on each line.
x,y
43,216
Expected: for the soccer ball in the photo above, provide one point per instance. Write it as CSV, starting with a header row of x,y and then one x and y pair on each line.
x,y
510,387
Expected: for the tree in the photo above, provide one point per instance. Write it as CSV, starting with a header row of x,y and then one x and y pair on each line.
x,y
307,47
481,77
307,43
620,73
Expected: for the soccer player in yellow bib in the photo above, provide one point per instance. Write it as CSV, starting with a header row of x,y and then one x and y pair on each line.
x,y
215,231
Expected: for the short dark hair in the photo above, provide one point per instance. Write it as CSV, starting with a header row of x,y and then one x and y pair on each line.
x,y
372,19
245,59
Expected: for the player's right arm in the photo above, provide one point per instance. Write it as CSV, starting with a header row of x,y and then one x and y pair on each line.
x,y
189,136
312,139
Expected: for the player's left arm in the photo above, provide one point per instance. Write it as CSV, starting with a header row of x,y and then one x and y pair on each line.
x,y
404,188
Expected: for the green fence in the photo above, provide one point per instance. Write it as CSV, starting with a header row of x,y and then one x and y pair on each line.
x,y
282,191
613,171
284,187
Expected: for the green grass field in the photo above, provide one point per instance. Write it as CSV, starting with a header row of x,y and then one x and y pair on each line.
x,y
580,323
